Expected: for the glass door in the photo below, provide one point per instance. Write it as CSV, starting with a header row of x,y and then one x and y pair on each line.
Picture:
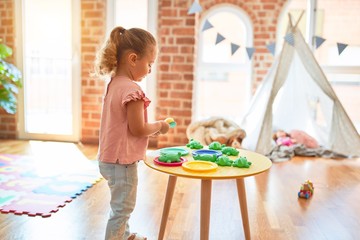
x,y
50,63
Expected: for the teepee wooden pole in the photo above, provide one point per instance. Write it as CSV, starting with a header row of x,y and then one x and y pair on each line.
x,y
297,22
290,20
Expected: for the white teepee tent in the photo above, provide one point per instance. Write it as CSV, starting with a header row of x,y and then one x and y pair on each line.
x,y
297,95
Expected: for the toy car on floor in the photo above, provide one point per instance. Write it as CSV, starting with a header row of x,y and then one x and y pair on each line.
x,y
306,190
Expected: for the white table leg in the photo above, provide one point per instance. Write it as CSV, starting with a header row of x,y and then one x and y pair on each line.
x,y
243,206
205,209
168,199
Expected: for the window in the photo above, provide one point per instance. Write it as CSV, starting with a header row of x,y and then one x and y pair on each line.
x,y
223,84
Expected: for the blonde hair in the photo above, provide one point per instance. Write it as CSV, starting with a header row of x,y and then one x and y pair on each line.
x,y
121,40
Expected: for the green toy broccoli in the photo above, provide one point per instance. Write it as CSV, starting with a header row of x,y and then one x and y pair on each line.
x,y
193,144
230,151
242,162
224,161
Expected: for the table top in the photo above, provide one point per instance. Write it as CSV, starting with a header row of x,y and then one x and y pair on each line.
x,y
259,164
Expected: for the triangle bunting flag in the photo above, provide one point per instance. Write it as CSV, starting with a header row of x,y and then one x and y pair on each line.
x,y
195,8
234,48
250,51
319,41
341,47
219,38
271,48
207,25
289,38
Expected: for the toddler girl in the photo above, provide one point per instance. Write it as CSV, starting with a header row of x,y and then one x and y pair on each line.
x,y
126,58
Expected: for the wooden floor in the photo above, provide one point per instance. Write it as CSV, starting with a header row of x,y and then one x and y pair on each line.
x,y
275,212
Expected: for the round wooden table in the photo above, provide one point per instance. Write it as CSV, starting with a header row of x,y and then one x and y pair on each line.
x,y
259,164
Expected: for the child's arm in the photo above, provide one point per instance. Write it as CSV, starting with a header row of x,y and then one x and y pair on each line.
x,y
137,124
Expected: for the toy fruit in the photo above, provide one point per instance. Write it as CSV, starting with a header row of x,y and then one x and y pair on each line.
x,y
306,190
171,122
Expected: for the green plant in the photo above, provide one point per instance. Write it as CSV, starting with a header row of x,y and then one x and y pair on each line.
x,y
10,81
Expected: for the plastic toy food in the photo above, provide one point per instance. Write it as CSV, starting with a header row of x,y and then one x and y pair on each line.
x,y
306,190
230,151
193,144
169,157
224,161
171,122
216,146
205,157
241,162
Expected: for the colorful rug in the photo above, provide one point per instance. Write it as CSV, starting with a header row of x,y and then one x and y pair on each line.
x,y
38,186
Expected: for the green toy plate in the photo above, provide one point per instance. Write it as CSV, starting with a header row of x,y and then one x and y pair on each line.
x,y
183,151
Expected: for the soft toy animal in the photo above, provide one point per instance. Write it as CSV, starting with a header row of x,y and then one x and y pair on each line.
x,y
217,129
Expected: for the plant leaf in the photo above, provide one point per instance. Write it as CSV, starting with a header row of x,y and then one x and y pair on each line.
x,y
10,73
5,51
8,101
10,80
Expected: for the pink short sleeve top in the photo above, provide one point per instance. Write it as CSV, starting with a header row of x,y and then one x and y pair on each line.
x,y
116,143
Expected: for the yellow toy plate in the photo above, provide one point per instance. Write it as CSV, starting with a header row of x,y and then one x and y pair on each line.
x,y
199,166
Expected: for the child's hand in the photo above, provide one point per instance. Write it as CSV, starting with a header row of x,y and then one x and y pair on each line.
x,y
164,127
155,134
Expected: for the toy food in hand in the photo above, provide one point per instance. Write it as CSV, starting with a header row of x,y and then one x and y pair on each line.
x,y
171,122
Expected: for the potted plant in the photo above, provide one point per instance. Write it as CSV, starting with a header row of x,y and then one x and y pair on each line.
x,y
10,81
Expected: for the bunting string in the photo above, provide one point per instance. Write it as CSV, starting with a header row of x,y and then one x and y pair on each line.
x,y
289,37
